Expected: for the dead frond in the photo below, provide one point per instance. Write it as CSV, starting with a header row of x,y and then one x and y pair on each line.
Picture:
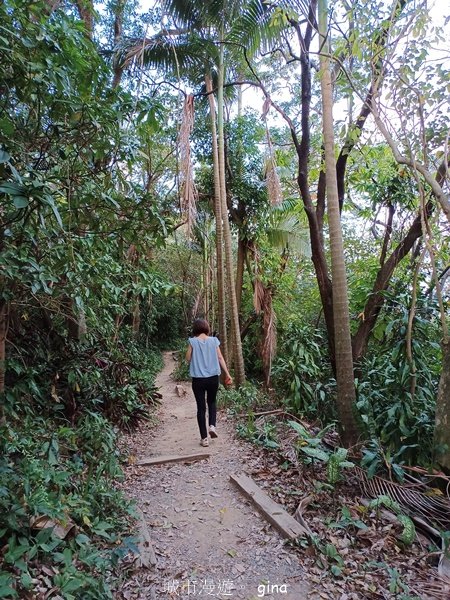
x,y
188,191
258,296
274,192
418,503
266,107
269,329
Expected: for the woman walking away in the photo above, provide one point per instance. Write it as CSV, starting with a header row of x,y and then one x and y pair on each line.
x,y
205,359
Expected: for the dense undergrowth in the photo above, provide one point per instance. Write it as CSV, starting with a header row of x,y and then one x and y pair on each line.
x,y
63,523
396,399
78,357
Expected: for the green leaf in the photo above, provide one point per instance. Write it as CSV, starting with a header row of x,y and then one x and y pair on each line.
x,y
20,201
12,188
72,585
6,127
315,453
49,200
271,444
299,429
26,581
341,454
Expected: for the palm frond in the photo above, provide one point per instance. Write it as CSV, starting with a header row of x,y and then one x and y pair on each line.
x,y
285,230
291,206
174,54
184,12
256,26
196,15
301,7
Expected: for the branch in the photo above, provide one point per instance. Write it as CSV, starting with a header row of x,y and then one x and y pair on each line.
x,y
380,41
387,233
86,12
433,182
375,299
274,104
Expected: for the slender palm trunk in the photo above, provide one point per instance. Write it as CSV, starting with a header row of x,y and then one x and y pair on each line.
x,y
212,287
242,247
231,290
346,394
136,321
119,9
3,322
240,272
442,430
220,268
205,270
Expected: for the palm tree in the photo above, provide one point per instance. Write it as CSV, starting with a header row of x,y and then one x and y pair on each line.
x,y
231,288
221,310
346,393
198,49
442,430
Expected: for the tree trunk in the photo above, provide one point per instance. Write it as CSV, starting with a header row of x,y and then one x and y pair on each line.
x,y
316,213
3,324
220,269
212,286
346,393
376,298
75,320
269,334
86,12
3,329
442,429
118,25
240,272
205,277
136,322
231,290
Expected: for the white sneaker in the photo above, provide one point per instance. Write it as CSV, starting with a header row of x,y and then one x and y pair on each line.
x,y
212,431
204,442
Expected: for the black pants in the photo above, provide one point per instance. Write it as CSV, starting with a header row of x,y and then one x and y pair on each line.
x,y
200,387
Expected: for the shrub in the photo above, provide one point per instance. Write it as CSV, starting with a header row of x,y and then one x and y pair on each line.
x,y
301,373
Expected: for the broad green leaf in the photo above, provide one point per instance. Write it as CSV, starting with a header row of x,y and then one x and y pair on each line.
x,y
20,201
315,453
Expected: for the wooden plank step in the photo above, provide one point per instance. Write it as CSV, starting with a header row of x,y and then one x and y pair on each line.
x,y
161,460
273,512
147,556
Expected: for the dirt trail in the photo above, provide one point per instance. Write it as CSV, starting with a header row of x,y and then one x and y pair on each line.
x,y
209,541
